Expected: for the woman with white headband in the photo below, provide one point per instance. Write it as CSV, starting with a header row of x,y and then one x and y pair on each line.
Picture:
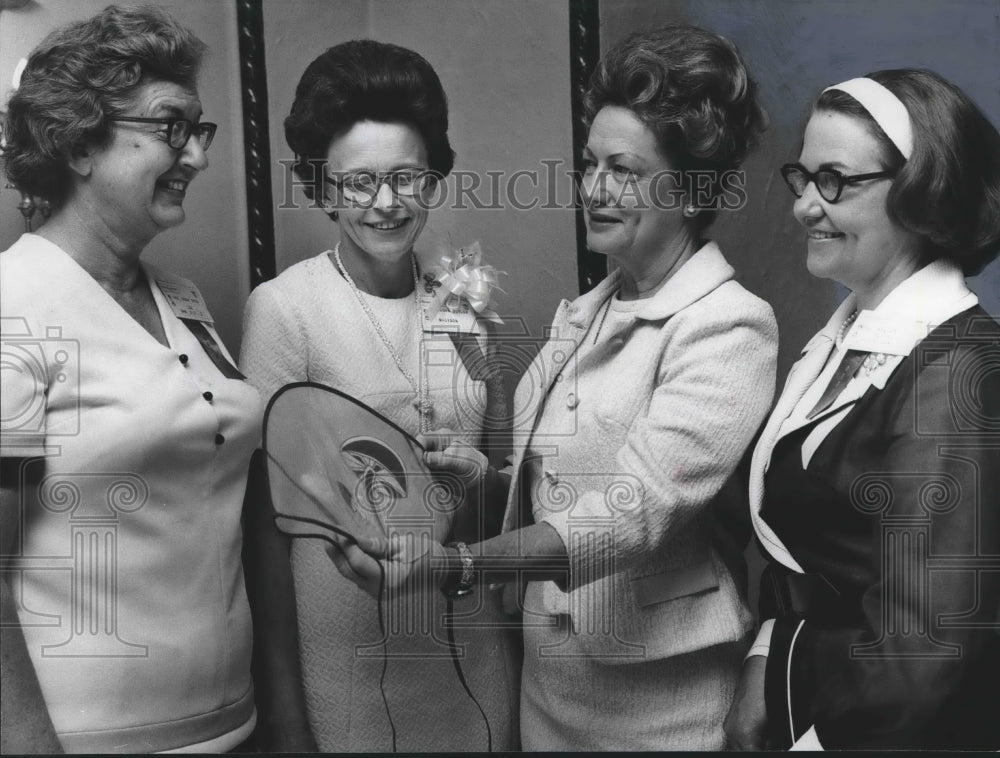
x,y
874,485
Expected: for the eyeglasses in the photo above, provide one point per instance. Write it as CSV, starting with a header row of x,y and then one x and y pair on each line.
x,y
362,187
179,130
829,182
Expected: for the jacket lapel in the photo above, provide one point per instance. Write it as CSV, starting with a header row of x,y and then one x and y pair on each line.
x,y
800,378
569,327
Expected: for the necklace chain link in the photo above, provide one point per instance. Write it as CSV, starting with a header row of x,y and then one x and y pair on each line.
x,y
423,402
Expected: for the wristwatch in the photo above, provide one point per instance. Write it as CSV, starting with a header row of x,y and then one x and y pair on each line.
x,y
460,583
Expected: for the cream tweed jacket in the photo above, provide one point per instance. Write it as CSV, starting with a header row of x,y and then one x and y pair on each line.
x,y
631,437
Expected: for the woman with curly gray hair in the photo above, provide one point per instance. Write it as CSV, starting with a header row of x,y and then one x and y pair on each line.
x,y
631,419
126,429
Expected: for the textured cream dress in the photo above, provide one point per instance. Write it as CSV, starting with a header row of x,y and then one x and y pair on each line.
x,y
132,600
307,325
629,423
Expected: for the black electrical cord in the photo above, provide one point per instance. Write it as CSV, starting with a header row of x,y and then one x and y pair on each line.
x,y
449,627
381,589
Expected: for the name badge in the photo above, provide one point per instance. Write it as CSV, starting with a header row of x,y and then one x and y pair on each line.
x,y
456,315
876,334
185,301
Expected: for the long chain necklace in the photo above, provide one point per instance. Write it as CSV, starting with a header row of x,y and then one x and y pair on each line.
x,y
423,404
604,316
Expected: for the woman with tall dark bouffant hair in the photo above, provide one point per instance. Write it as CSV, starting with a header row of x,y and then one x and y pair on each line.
x,y
875,484
628,424
369,128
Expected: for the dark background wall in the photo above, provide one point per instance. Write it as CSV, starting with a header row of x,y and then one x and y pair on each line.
x,y
505,66
210,247
795,48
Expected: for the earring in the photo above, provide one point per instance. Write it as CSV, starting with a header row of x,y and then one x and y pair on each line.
x,y
690,211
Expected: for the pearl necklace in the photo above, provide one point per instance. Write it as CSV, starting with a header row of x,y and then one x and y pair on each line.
x,y
845,327
422,403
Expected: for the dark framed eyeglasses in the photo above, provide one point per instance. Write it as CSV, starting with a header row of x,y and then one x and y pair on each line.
x,y
361,187
179,130
829,181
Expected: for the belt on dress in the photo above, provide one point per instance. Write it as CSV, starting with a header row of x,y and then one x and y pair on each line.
x,y
805,595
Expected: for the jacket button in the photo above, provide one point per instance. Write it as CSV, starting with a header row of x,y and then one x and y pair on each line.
x,y
558,356
207,395
572,400
219,439
183,359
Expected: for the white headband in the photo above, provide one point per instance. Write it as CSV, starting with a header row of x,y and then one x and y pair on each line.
x,y
15,80
883,106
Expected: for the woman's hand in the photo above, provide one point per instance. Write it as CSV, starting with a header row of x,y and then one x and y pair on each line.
x,y
447,451
747,718
403,562
463,470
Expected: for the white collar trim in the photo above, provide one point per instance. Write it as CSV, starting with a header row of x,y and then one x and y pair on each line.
x,y
926,299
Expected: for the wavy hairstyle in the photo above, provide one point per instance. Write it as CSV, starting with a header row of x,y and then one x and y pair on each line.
x,y
78,78
948,191
692,90
365,80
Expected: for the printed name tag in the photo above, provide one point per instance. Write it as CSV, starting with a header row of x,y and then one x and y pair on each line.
x,y
877,334
456,315
185,300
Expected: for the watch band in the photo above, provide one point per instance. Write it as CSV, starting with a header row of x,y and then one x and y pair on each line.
x,y
461,583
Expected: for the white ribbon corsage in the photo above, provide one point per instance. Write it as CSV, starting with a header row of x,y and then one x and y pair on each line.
x,y
463,276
